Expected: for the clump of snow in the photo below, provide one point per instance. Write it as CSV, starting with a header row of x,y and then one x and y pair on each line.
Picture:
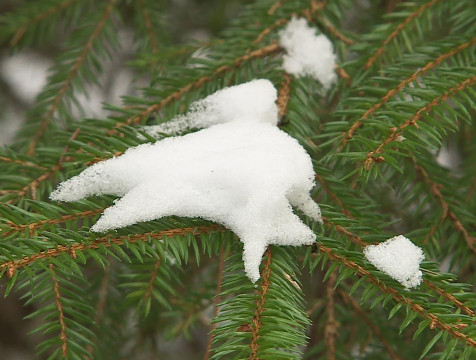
x,y
243,172
254,100
308,54
399,258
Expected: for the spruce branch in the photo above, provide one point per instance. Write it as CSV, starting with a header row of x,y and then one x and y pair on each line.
x,y
398,29
375,155
331,324
148,24
72,74
413,77
59,305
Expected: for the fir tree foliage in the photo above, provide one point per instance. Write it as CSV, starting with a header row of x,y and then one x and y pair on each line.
x,y
404,95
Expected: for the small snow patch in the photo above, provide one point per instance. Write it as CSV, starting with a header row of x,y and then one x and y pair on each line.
x,y
242,172
399,258
308,54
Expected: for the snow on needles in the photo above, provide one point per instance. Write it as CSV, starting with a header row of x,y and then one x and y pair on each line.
x,y
242,172
399,258
308,54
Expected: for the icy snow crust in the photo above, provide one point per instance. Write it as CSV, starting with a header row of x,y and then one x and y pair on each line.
x,y
244,173
399,258
308,54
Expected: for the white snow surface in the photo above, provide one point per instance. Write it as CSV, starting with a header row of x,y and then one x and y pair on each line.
x,y
307,54
242,172
254,101
399,258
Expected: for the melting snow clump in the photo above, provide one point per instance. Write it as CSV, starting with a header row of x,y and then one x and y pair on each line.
x,y
399,258
241,171
308,54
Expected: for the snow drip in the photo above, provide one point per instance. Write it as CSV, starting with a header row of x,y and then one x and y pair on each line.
x,y
242,171
308,54
399,258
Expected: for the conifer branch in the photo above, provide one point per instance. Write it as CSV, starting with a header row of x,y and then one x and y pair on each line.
x,y
107,241
256,321
153,276
149,27
236,63
37,18
435,321
59,306
333,30
330,327
333,196
351,301
399,28
216,300
20,162
413,77
283,95
71,76
373,156
275,7
450,297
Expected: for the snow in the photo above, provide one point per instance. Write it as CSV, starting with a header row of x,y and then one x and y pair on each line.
x,y
254,101
307,54
242,171
399,258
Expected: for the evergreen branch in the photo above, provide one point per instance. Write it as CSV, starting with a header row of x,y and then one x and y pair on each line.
x,y
450,297
435,321
107,241
373,156
148,25
333,30
351,301
283,95
71,76
397,30
275,6
256,321
176,95
216,300
153,276
330,327
333,196
20,162
413,77
59,305
308,12
435,191
37,18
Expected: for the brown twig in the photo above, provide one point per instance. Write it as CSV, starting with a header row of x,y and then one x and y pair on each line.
x,y
275,6
149,27
435,191
373,156
262,52
153,276
399,28
333,30
435,321
20,162
256,321
106,241
450,297
350,300
330,327
38,17
216,300
59,305
413,77
283,95
71,75
333,196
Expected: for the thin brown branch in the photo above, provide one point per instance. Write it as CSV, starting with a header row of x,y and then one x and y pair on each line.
x,y
37,18
275,6
236,63
450,297
88,47
149,27
59,306
435,321
106,241
331,325
308,12
333,30
20,162
435,191
153,276
216,300
256,321
374,156
333,196
399,28
350,300
413,77
283,95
